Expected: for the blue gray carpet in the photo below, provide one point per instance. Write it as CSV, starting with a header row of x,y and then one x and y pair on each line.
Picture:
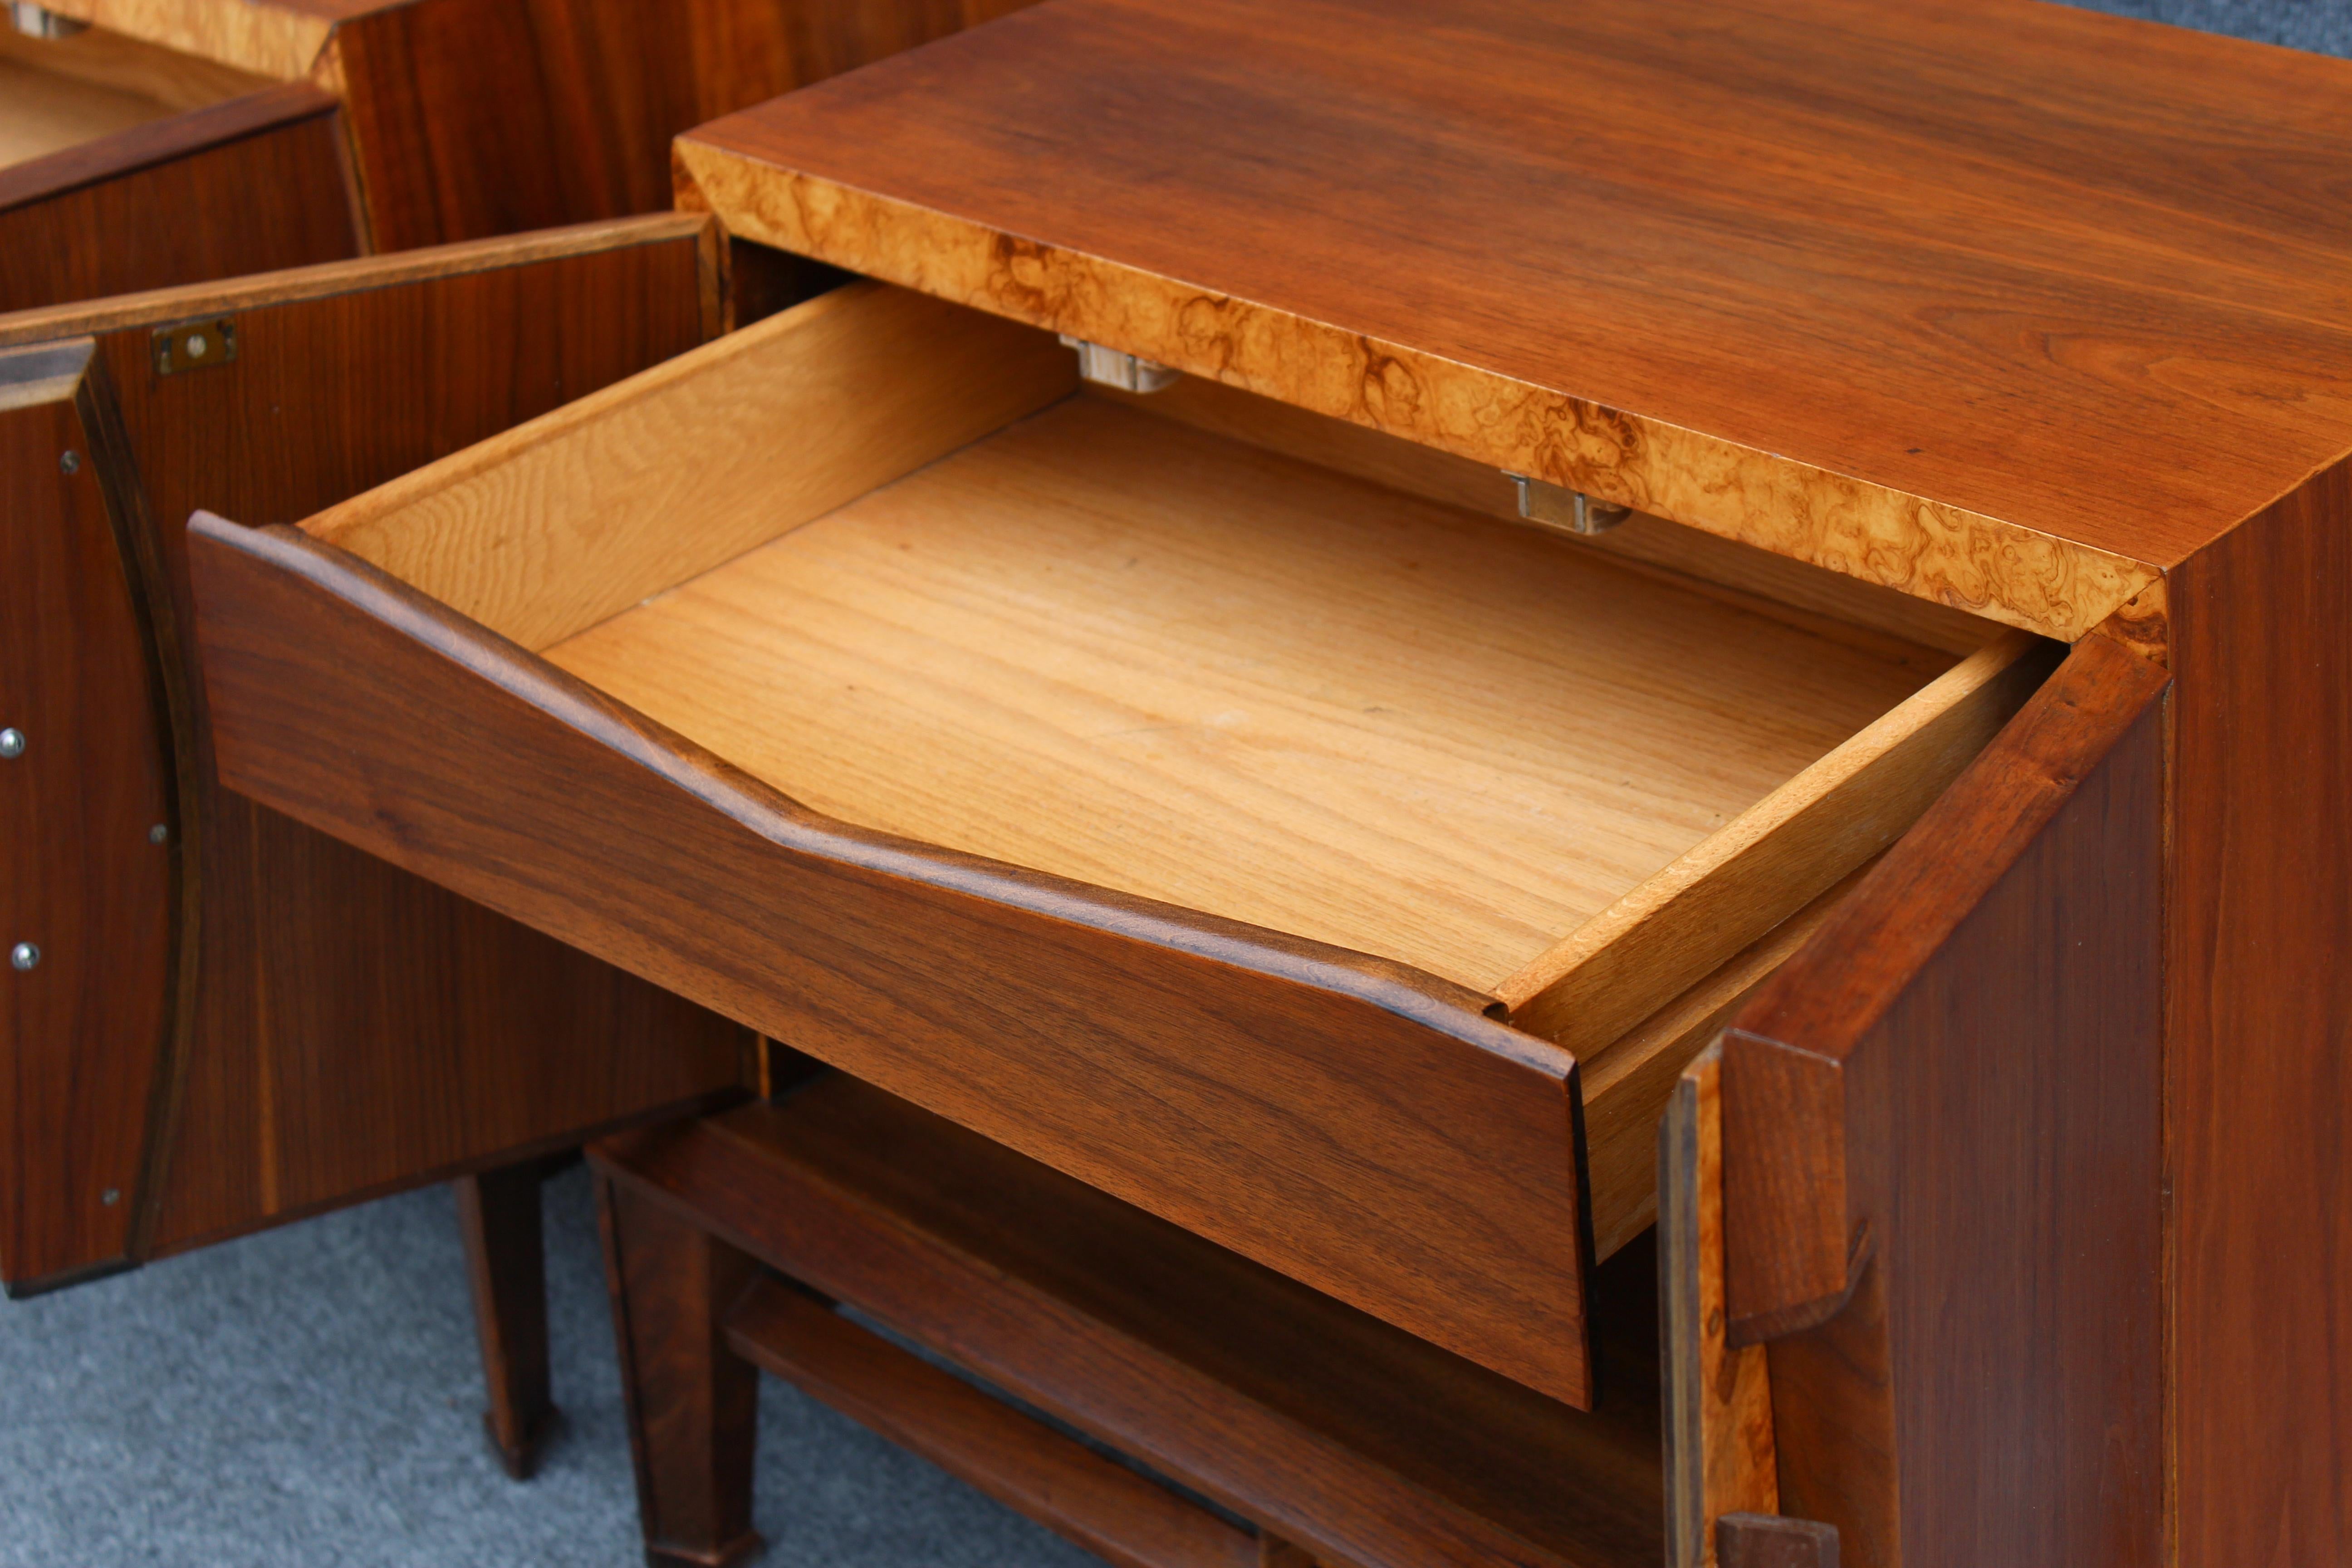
x,y
311,1398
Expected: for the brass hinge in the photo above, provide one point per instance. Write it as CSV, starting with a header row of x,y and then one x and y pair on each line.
x,y
193,345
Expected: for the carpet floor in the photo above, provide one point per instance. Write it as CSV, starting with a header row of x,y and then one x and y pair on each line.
x,y
311,1398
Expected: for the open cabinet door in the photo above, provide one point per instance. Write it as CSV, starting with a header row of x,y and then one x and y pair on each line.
x,y
1942,1162
236,1020
247,185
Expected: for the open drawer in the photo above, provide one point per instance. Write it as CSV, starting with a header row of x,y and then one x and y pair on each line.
x,y
1344,876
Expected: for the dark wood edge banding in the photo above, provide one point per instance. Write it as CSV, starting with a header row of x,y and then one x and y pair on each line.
x,y
1792,1253
176,719
160,140
329,279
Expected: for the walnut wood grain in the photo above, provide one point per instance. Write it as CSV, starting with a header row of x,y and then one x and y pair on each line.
x,y
1250,1078
1088,1498
1955,1089
88,813
1374,211
248,185
1339,1434
189,301
1834,1426
2260,990
692,1402
1768,1541
475,116
1788,1054
506,1264
346,1029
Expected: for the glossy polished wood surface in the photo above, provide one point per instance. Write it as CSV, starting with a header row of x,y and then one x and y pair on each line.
x,y
2259,1077
2004,304
87,814
341,1027
1956,1091
1287,1407
251,185
1213,1072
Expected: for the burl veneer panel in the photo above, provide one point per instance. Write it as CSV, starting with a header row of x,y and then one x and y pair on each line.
x,y
249,185
2259,1079
2004,304
316,1065
479,117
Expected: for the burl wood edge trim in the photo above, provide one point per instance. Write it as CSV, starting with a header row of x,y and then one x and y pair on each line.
x,y
1980,564
1351,1122
1795,1256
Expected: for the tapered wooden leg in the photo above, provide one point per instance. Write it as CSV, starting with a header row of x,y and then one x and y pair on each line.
x,y
693,1403
505,1259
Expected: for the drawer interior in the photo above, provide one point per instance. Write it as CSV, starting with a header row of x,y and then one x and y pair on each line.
x,y
56,93
1154,659
883,553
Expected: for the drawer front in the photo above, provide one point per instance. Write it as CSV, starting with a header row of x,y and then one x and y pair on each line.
x,y
1348,1122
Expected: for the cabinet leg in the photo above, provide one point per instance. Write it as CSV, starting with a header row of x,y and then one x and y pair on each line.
x,y
693,1403
506,1260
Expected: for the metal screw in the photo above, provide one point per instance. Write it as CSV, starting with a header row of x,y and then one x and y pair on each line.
x,y
157,834
12,743
24,955
110,1197
70,462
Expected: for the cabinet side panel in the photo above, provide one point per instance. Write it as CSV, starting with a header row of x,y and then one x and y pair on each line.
x,y
272,198
2259,1077
480,117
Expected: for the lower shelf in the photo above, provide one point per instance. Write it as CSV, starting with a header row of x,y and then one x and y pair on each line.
x,y
1340,1438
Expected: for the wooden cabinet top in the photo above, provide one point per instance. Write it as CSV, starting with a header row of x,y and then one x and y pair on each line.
x,y
2005,304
